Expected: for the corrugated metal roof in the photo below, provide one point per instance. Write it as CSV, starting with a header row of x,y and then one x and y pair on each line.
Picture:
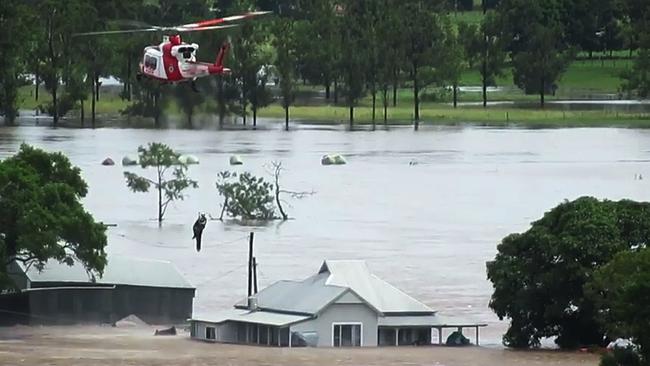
x,y
333,279
305,297
256,317
119,271
408,321
383,296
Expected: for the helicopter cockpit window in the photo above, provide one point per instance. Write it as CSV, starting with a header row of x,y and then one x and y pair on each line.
x,y
187,52
150,62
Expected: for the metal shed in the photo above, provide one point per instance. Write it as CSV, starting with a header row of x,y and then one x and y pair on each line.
x,y
153,290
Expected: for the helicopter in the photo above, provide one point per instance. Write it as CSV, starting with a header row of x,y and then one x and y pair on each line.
x,y
174,61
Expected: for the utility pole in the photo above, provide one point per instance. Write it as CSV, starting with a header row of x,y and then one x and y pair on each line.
x,y
254,275
250,265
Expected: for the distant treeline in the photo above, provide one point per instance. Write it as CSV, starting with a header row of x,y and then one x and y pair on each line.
x,y
353,48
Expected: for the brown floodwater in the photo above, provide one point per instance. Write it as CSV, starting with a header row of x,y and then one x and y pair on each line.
x,y
425,209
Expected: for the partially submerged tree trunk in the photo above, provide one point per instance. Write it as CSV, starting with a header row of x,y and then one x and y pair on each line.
x,y
160,203
286,118
351,116
385,100
221,101
277,169
97,85
541,93
37,82
455,94
416,96
93,103
374,104
336,92
395,88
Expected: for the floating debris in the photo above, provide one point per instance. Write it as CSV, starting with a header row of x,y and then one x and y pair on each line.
x,y
108,162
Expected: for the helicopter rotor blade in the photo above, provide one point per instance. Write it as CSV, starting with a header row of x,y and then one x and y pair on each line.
x,y
184,30
232,18
126,31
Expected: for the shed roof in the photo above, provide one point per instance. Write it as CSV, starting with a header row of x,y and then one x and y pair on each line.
x,y
333,279
120,270
247,316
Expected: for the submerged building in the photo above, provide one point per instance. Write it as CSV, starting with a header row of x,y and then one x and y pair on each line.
x,y
153,290
342,305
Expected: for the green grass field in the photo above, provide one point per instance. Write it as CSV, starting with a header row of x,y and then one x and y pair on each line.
x,y
583,79
108,103
445,115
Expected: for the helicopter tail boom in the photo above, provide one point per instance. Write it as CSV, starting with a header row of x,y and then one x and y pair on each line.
x,y
217,67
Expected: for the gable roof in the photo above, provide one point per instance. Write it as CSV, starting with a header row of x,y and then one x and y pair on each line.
x,y
120,270
333,280
355,275
301,297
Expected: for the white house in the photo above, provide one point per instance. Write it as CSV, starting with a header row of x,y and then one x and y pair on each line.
x,y
343,305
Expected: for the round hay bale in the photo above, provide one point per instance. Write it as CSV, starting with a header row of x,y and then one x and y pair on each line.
x,y
188,159
327,160
236,160
129,161
339,160
108,162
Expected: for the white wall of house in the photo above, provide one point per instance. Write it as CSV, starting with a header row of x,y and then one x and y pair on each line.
x,y
224,332
341,314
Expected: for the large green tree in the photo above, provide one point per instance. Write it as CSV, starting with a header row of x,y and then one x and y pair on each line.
x,y
538,276
284,41
538,45
355,54
424,35
637,80
621,290
484,48
14,35
41,215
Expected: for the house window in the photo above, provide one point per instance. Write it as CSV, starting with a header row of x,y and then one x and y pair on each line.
x,y
210,333
346,335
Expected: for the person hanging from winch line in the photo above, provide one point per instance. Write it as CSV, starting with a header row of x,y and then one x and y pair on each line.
x,y
198,227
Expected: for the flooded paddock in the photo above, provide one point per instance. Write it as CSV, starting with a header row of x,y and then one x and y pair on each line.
x,y
425,209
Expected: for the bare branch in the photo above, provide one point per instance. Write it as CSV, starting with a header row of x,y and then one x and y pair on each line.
x,y
298,194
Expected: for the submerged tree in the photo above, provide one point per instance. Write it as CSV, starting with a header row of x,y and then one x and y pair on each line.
x,y
539,275
162,158
253,198
248,198
41,214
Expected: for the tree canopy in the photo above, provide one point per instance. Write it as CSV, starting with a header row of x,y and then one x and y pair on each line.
x,y
355,47
162,158
41,215
539,275
621,292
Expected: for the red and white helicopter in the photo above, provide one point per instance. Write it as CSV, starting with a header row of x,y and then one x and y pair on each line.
x,y
173,60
